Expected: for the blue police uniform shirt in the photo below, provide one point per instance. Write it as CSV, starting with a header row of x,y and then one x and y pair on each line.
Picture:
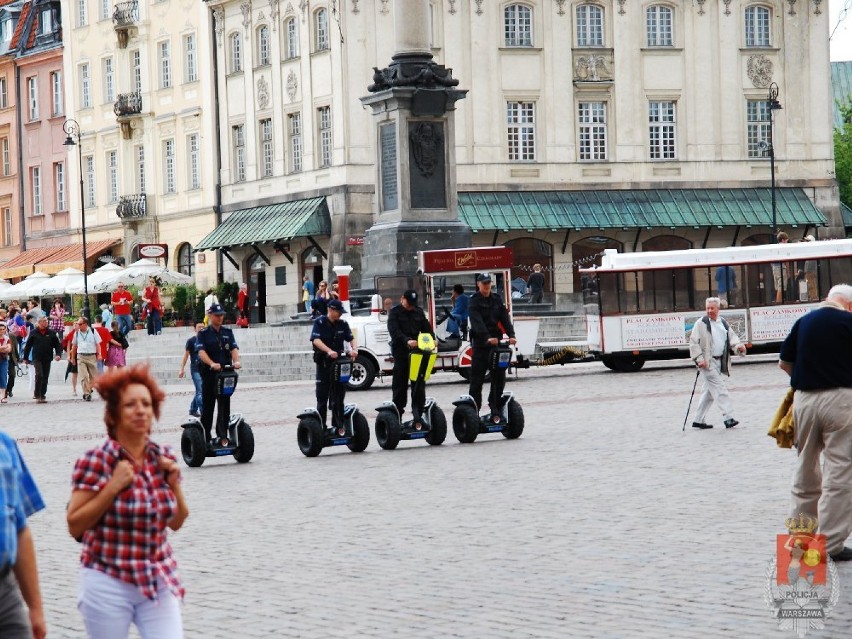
x,y
19,498
191,343
217,345
332,335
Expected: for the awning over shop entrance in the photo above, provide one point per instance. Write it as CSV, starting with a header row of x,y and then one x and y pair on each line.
x,y
269,224
52,259
652,208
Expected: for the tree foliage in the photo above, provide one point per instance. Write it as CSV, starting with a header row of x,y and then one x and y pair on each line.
x,y
843,153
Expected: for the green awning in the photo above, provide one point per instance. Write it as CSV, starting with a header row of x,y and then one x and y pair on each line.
x,y
652,208
846,214
271,223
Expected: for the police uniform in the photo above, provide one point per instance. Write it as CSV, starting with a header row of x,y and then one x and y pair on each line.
x,y
218,346
488,318
334,335
404,325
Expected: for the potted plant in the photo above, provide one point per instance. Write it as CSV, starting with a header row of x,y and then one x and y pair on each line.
x,y
179,303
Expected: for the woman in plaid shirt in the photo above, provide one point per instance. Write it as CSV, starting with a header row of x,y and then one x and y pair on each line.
x,y
57,318
125,493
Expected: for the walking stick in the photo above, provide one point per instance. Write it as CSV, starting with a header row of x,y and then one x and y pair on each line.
x,y
685,417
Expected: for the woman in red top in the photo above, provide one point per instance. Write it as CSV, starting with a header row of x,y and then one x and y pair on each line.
x,y
151,297
125,494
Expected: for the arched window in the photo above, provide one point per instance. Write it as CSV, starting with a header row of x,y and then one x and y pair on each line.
x,y
321,30
235,44
517,20
291,32
586,253
757,20
589,26
658,23
670,289
184,259
263,45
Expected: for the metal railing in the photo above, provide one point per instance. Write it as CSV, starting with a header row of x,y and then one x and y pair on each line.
x,y
132,207
126,14
128,104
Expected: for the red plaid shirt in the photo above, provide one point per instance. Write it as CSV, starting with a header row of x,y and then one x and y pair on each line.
x,y
129,542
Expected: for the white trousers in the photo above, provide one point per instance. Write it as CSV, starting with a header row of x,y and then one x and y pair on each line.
x,y
109,606
714,390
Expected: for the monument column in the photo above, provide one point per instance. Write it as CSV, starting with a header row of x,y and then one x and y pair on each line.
x,y
413,101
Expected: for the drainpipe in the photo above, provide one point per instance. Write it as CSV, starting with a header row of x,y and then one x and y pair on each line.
x,y
217,205
19,119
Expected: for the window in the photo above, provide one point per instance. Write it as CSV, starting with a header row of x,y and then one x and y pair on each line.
x,y
89,164
520,129
263,46
137,71
758,116
239,153
165,65
194,153
592,120
59,185
190,66
294,126
7,161
589,26
139,157
757,27
56,91
266,149
184,259
6,30
85,87
169,165
35,181
112,168
109,81
45,22
236,53
661,130
321,30
292,30
658,23
324,123
7,226
4,96
517,19
82,13
105,10
32,93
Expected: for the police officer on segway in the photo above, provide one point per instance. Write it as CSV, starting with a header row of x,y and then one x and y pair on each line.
x,y
216,348
489,321
405,322
329,335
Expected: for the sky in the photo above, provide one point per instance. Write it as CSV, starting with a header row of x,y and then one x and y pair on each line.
x,y
841,41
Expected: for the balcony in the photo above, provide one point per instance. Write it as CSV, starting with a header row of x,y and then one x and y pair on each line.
x,y
124,18
132,207
127,108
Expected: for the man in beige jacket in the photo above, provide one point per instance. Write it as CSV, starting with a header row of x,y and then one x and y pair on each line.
x,y
710,346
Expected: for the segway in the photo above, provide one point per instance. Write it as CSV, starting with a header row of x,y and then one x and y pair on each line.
x,y
348,426
468,423
428,421
233,434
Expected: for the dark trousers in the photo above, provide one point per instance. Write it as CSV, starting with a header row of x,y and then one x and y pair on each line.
x,y
14,618
42,374
209,395
400,379
329,393
13,365
155,323
536,297
478,368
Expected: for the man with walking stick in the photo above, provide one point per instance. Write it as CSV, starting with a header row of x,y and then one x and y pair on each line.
x,y
710,346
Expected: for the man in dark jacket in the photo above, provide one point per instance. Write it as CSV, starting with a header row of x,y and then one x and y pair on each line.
x,y
489,321
405,322
42,344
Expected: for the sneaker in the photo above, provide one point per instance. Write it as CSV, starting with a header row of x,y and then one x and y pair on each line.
x,y
845,554
701,425
87,397
730,423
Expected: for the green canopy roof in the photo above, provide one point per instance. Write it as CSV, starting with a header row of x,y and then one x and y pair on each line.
x,y
271,223
846,214
667,208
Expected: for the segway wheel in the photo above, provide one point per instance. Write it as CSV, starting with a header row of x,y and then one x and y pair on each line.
x,y
310,436
361,438
388,430
192,447
465,424
515,427
438,433
245,451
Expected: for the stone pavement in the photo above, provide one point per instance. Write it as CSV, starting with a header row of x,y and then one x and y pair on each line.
x,y
603,521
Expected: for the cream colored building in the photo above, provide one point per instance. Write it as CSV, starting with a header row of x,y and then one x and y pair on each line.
x,y
139,86
589,124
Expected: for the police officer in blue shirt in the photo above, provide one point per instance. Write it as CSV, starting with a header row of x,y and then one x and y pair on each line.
x,y
329,336
19,498
216,347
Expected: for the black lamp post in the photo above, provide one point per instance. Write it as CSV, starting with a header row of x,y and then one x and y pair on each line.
x,y
774,105
72,130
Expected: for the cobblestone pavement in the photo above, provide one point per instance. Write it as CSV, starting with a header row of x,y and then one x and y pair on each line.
x,y
603,521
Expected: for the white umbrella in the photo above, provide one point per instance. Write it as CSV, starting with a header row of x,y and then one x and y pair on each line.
x,y
25,288
102,280
139,272
59,283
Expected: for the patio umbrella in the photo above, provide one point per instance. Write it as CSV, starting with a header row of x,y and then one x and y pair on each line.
x,y
59,283
26,287
139,272
101,281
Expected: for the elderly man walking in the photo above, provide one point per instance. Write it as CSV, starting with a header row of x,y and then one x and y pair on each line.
x,y
710,346
817,355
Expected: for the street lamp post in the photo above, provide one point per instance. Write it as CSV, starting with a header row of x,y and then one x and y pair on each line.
x,y
72,131
774,105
